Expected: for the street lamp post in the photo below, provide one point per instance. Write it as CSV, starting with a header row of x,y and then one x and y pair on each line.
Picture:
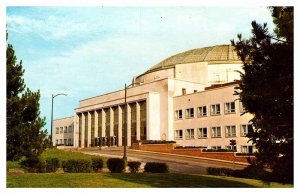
x,y
125,122
53,96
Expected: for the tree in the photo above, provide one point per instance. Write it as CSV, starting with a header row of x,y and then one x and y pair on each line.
x,y
24,134
266,91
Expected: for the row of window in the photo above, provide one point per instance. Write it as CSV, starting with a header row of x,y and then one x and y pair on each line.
x,y
230,131
64,141
64,129
215,109
244,148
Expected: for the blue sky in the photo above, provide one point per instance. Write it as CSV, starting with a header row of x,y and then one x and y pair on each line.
x,y
89,51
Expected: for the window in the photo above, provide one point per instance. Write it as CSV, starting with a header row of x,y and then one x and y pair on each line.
x,y
216,132
178,114
190,134
56,142
70,129
179,134
247,149
66,129
216,147
245,129
183,91
189,113
230,147
70,141
202,112
61,130
60,141
215,109
230,131
57,130
242,108
202,132
229,107
65,141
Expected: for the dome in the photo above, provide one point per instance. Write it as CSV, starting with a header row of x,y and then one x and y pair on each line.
x,y
220,54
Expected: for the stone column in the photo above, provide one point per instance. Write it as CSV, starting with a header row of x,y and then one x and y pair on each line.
x,y
138,121
103,123
128,125
76,131
82,129
111,120
120,126
89,129
96,124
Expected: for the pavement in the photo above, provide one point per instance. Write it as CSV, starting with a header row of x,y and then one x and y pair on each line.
x,y
176,163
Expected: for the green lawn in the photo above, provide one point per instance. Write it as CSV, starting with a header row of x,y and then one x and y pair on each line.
x,y
111,180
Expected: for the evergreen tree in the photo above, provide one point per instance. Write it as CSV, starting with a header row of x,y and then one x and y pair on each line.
x,y
24,134
266,91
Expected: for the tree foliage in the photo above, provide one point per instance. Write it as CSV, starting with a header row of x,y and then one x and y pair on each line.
x,y
24,134
266,90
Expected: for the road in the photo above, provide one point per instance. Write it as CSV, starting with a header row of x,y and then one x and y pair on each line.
x,y
176,163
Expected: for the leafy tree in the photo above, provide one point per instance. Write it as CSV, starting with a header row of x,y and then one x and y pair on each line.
x,y
266,90
24,134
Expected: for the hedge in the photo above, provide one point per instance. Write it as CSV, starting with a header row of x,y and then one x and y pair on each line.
x,y
97,163
134,166
78,165
34,164
115,165
52,164
156,167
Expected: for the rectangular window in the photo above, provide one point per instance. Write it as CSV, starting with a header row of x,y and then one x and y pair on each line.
x,y
215,109
70,141
202,132
229,107
245,129
70,129
230,147
247,149
189,112
178,114
65,141
216,147
230,131
216,132
179,134
202,112
190,134
61,130
57,130
56,142
66,129
60,141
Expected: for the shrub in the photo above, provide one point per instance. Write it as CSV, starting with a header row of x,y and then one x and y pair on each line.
x,y
52,164
97,164
34,164
134,166
116,165
219,171
156,142
156,167
79,165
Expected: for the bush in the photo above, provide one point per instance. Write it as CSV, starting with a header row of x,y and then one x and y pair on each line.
x,y
134,166
219,171
97,164
189,147
116,165
34,164
156,167
79,165
156,142
52,164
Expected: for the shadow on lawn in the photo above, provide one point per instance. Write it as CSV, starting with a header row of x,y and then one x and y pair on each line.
x,y
171,180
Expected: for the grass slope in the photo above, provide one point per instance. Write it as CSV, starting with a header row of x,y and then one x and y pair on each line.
x,y
145,180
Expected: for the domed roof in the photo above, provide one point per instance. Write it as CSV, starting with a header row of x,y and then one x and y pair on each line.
x,y
222,54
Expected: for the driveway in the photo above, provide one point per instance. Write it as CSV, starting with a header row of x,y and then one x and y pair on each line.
x,y
176,163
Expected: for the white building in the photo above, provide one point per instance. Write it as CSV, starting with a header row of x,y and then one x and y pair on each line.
x,y
181,98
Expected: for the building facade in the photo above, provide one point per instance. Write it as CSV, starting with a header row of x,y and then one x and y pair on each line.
x,y
63,132
187,98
